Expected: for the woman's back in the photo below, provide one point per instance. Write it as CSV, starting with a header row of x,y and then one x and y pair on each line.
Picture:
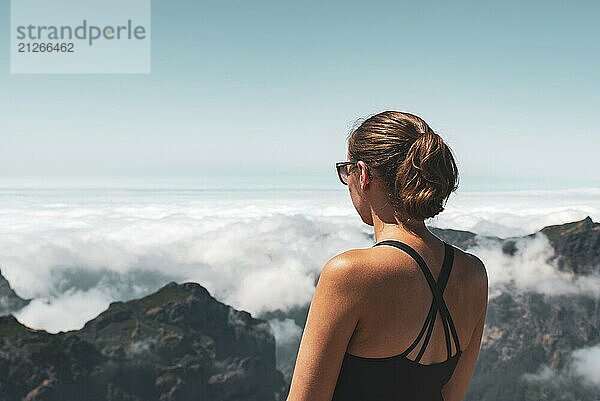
x,y
387,322
396,351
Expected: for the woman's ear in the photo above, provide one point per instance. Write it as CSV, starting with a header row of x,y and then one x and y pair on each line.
x,y
364,172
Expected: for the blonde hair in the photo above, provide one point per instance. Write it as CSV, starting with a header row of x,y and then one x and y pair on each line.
x,y
413,161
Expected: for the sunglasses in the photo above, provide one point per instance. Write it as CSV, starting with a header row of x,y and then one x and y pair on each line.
x,y
342,171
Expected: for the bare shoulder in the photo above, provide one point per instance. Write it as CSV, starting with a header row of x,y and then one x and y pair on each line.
x,y
343,278
346,265
477,269
351,269
476,274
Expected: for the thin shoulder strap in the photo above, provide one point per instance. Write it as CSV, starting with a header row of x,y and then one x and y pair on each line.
x,y
442,281
437,290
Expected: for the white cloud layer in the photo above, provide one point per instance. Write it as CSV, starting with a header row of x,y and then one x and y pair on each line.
x,y
587,364
528,269
74,252
286,331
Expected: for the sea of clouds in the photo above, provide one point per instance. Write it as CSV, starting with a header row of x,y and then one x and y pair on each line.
x,y
75,251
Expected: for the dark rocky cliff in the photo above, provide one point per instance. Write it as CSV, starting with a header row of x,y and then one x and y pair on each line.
x,y
176,344
526,332
576,246
9,300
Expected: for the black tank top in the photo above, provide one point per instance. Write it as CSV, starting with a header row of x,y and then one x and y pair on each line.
x,y
398,378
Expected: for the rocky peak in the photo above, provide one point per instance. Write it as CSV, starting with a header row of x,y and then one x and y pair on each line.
x,y
9,300
178,343
576,245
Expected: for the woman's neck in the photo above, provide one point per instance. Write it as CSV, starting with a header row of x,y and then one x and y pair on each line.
x,y
415,229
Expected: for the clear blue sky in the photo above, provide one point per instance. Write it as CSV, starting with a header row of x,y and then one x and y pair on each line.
x,y
246,92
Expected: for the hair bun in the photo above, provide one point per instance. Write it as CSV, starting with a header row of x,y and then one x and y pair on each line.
x,y
413,160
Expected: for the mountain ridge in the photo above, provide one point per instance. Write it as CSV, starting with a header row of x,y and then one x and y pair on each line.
x,y
178,343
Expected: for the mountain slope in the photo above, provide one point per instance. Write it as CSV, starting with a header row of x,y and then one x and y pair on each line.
x,y
176,344
9,300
